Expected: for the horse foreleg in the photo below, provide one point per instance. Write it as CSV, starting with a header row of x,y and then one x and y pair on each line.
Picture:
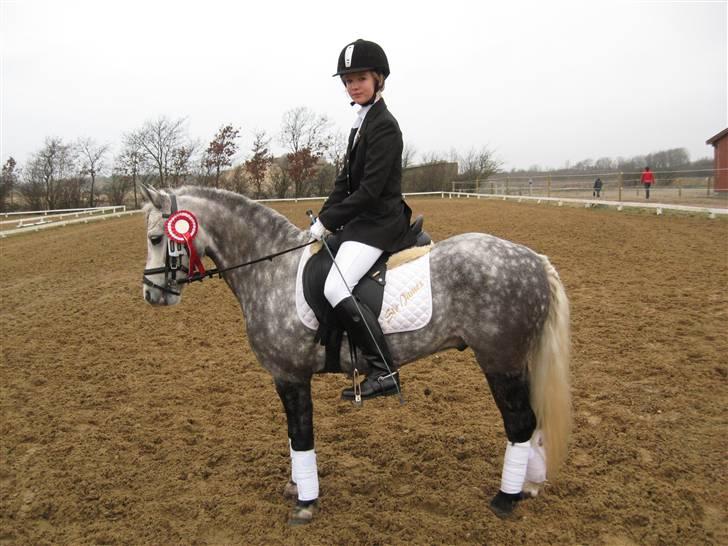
x,y
296,398
511,395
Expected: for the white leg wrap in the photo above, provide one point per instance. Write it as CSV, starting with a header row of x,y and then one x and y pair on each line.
x,y
515,463
305,474
536,471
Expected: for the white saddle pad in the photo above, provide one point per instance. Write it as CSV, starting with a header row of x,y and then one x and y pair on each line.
x,y
407,301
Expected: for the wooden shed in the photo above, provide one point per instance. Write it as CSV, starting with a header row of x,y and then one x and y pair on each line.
x,y
720,168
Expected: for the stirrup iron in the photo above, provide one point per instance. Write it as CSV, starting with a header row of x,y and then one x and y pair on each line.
x,y
357,388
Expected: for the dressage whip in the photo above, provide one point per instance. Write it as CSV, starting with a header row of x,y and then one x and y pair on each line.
x,y
309,213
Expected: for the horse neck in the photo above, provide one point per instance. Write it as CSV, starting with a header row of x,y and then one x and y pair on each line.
x,y
239,230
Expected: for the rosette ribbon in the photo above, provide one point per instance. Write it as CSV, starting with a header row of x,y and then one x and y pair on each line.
x,y
181,227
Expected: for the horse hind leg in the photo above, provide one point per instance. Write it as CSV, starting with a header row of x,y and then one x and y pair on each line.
x,y
512,397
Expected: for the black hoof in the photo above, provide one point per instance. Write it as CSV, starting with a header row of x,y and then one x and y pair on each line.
x,y
503,504
303,513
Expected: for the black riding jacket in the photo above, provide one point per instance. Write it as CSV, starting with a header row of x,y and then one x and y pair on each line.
x,y
367,198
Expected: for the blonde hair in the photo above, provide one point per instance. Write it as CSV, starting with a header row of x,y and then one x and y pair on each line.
x,y
380,79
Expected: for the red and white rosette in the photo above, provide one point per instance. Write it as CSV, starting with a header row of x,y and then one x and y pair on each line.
x,y
182,227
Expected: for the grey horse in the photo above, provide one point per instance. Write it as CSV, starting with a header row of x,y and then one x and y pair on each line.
x,y
498,298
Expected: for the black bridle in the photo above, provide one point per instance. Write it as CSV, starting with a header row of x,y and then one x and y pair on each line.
x,y
173,263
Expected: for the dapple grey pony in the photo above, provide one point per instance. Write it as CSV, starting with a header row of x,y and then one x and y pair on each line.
x,y
498,298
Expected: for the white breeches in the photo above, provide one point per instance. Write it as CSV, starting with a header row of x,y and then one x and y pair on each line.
x,y
354,260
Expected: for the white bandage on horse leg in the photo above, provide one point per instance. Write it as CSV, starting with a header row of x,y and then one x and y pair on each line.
x,y
536,471
515,463
305,474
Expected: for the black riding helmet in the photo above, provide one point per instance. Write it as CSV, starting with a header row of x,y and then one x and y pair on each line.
x,y
362,55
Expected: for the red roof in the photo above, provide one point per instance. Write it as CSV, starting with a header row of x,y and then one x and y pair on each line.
x,y
714,139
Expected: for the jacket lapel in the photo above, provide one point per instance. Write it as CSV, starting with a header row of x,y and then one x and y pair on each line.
x,y
350,145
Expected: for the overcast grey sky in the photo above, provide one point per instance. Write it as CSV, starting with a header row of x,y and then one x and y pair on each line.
x,y
537,82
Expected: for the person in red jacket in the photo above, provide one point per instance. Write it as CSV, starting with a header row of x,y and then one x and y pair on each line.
x,y
647,180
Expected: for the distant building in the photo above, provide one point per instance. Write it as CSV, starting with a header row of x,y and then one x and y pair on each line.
x,y
720,165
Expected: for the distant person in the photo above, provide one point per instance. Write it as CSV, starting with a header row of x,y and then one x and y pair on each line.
x,y
597,187
647,180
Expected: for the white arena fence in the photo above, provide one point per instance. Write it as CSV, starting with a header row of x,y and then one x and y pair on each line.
x,y
40,220
39,217
679,187
658,208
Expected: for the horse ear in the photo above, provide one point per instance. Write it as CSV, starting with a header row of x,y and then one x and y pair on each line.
x,y
153,196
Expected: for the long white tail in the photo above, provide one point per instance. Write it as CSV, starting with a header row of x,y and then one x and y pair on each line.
x,y
549,373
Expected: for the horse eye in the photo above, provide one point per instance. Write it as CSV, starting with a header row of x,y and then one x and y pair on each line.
x,y
155,239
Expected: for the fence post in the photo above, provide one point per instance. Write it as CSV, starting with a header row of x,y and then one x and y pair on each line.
x,y
679,187
477,185
492,187
707,179
508,183
621,184
548,187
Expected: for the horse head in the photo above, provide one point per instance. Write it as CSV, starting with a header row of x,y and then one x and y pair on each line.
x,y
175,245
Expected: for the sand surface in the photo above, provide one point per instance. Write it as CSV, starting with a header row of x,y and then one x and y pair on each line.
x,y
127,424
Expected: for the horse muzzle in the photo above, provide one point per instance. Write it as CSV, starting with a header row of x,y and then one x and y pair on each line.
x,y
156,294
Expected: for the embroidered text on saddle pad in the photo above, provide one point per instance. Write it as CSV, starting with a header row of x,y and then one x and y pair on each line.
x,y
407,301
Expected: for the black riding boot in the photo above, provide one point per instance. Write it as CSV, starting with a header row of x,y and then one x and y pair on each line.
x,y
380,381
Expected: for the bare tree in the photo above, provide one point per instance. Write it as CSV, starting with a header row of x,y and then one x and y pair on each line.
x,y
429,158
71,192
604,164
408,155
478,164
91,161
205,172
307,136
280,180
180,164
257,166
324,180
336,152
7,184
220,151
45,172
130,163
32,186
238,180
158,140
118,188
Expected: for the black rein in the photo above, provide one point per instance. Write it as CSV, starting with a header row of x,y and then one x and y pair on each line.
x,y
219,272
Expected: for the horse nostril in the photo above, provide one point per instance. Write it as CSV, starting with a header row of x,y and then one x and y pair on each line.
x,y
148,296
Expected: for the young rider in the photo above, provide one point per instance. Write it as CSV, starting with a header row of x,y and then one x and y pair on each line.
x,y
366,204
